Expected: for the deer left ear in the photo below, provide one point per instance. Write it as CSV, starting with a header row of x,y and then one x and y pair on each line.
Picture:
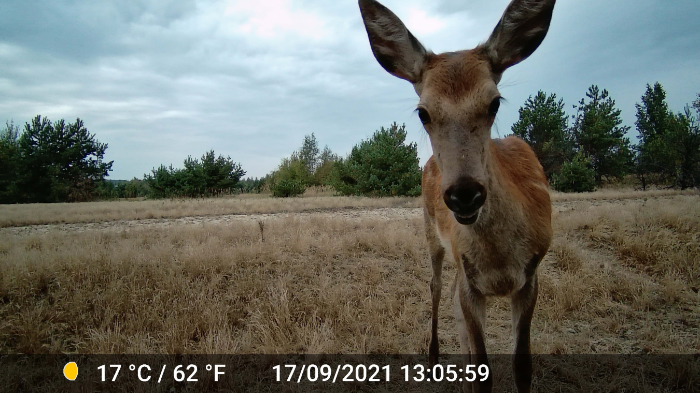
x,y
519,32
394,47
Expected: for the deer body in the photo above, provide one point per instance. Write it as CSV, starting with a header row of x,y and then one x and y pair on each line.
x,y
486,202
496,253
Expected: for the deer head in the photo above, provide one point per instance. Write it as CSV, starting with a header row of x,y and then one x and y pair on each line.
x,y
458,91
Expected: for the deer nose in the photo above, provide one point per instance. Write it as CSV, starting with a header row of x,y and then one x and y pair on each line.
x,y
465,197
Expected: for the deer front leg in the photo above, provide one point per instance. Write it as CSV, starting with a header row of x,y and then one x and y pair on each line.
x,y
437,255
523,306
470,313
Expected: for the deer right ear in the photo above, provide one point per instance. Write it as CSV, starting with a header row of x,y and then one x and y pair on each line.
x,y
394,47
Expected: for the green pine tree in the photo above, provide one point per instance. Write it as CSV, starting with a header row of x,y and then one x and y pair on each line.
x,y
668,153
60,162
383,165
9,163
543,125
600,135
653,161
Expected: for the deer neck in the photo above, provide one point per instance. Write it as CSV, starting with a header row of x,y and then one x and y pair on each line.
x,y
501,206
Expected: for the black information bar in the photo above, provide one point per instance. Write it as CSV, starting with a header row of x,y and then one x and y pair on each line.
x,y
344,373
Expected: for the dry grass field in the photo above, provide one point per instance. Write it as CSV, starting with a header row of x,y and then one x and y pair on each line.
x,y
622,276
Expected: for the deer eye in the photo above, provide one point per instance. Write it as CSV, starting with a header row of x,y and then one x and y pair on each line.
x,y
495,104
423,116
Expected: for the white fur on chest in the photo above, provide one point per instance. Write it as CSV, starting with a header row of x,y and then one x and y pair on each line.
x,y
496,264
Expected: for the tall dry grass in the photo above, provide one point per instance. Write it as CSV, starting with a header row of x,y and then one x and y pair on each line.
x,y
620,278
624,278
616,193
313,285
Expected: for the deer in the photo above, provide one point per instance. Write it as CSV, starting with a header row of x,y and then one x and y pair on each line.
x,y
486,201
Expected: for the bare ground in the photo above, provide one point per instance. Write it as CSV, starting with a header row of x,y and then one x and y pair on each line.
x,y
122,225
344,213
246,204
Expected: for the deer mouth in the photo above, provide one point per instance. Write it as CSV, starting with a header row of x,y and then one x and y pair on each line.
x,y
467,219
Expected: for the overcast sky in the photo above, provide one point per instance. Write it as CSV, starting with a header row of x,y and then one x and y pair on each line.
x,y
163,79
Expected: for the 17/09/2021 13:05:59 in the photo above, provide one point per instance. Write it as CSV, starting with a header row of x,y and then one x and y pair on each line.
x,y
375,373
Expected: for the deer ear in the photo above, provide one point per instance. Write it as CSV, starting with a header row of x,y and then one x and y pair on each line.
x,y
519,32
394,47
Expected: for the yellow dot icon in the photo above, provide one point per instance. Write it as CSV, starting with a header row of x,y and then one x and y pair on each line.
x,y
70,370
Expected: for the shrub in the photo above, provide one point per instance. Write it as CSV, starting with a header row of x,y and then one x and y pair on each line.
x,y
209,176
576,175
307,166
287,188
383,165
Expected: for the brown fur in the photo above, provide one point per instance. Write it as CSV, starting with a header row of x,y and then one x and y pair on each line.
x,y
522,179
498,255
496,189
454,74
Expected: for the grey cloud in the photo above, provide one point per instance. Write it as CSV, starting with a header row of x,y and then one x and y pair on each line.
x,y
160,80
82,30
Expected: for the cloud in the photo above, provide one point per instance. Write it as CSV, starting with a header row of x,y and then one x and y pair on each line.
x,y
275,18
422,23
160,80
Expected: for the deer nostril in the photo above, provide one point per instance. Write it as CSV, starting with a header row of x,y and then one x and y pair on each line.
x,y
467,200
455,199
466,197
476,200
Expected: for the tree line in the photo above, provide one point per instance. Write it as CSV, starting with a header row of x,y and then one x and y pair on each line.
x,y
205,177
382,165
208,176
595,149
63,162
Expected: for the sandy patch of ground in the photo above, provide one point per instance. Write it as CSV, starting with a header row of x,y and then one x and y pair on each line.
x,y
125,225
344,214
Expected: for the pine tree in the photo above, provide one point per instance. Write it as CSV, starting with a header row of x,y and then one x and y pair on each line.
x,y
668,153
9,163
383,165
683,144
543,125
600,135
60,162
654,163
